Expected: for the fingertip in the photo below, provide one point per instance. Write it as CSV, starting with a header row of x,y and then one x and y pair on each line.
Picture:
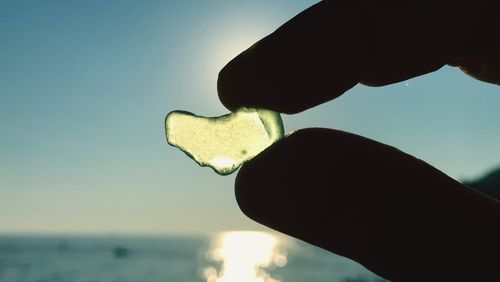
x,y
231,85
311,59
257,187
260,77
243,192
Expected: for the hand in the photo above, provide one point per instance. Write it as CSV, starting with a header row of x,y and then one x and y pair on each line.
x,y
393,213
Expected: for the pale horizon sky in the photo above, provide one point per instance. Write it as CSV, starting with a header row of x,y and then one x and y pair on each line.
x,y
85,87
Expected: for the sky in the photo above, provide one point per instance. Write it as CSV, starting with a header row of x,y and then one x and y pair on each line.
x,y
85,87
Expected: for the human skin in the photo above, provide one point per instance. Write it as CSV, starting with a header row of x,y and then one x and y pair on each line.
x,y
395,214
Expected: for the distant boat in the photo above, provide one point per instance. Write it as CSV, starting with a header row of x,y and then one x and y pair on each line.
x,y
120,252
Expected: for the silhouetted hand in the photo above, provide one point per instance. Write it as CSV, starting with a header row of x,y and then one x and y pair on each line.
x,y
393,213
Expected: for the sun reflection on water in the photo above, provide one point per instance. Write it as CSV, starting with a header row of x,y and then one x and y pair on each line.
x,y
244,257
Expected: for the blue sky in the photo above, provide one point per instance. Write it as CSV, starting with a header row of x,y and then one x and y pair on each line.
x,y
85,87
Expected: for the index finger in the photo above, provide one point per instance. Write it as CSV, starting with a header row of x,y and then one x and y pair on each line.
x,y
332,46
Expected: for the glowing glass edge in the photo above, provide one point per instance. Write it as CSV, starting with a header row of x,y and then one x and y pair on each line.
x,y
226,142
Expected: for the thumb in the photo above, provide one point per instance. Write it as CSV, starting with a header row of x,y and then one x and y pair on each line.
x,y
389,211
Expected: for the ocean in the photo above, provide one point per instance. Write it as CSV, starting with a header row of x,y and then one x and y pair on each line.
x,y
239,256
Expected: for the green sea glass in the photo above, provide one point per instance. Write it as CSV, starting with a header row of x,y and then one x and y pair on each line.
x,y
224,143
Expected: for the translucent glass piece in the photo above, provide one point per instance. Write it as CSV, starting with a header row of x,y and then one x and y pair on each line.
x,y
224,143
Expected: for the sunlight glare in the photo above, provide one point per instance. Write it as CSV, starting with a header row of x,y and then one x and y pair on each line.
x,y
227,41
245,255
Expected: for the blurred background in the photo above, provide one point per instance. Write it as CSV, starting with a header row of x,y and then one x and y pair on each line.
x,y
89,188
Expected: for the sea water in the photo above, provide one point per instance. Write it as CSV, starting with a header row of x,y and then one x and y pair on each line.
x,y
226,257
